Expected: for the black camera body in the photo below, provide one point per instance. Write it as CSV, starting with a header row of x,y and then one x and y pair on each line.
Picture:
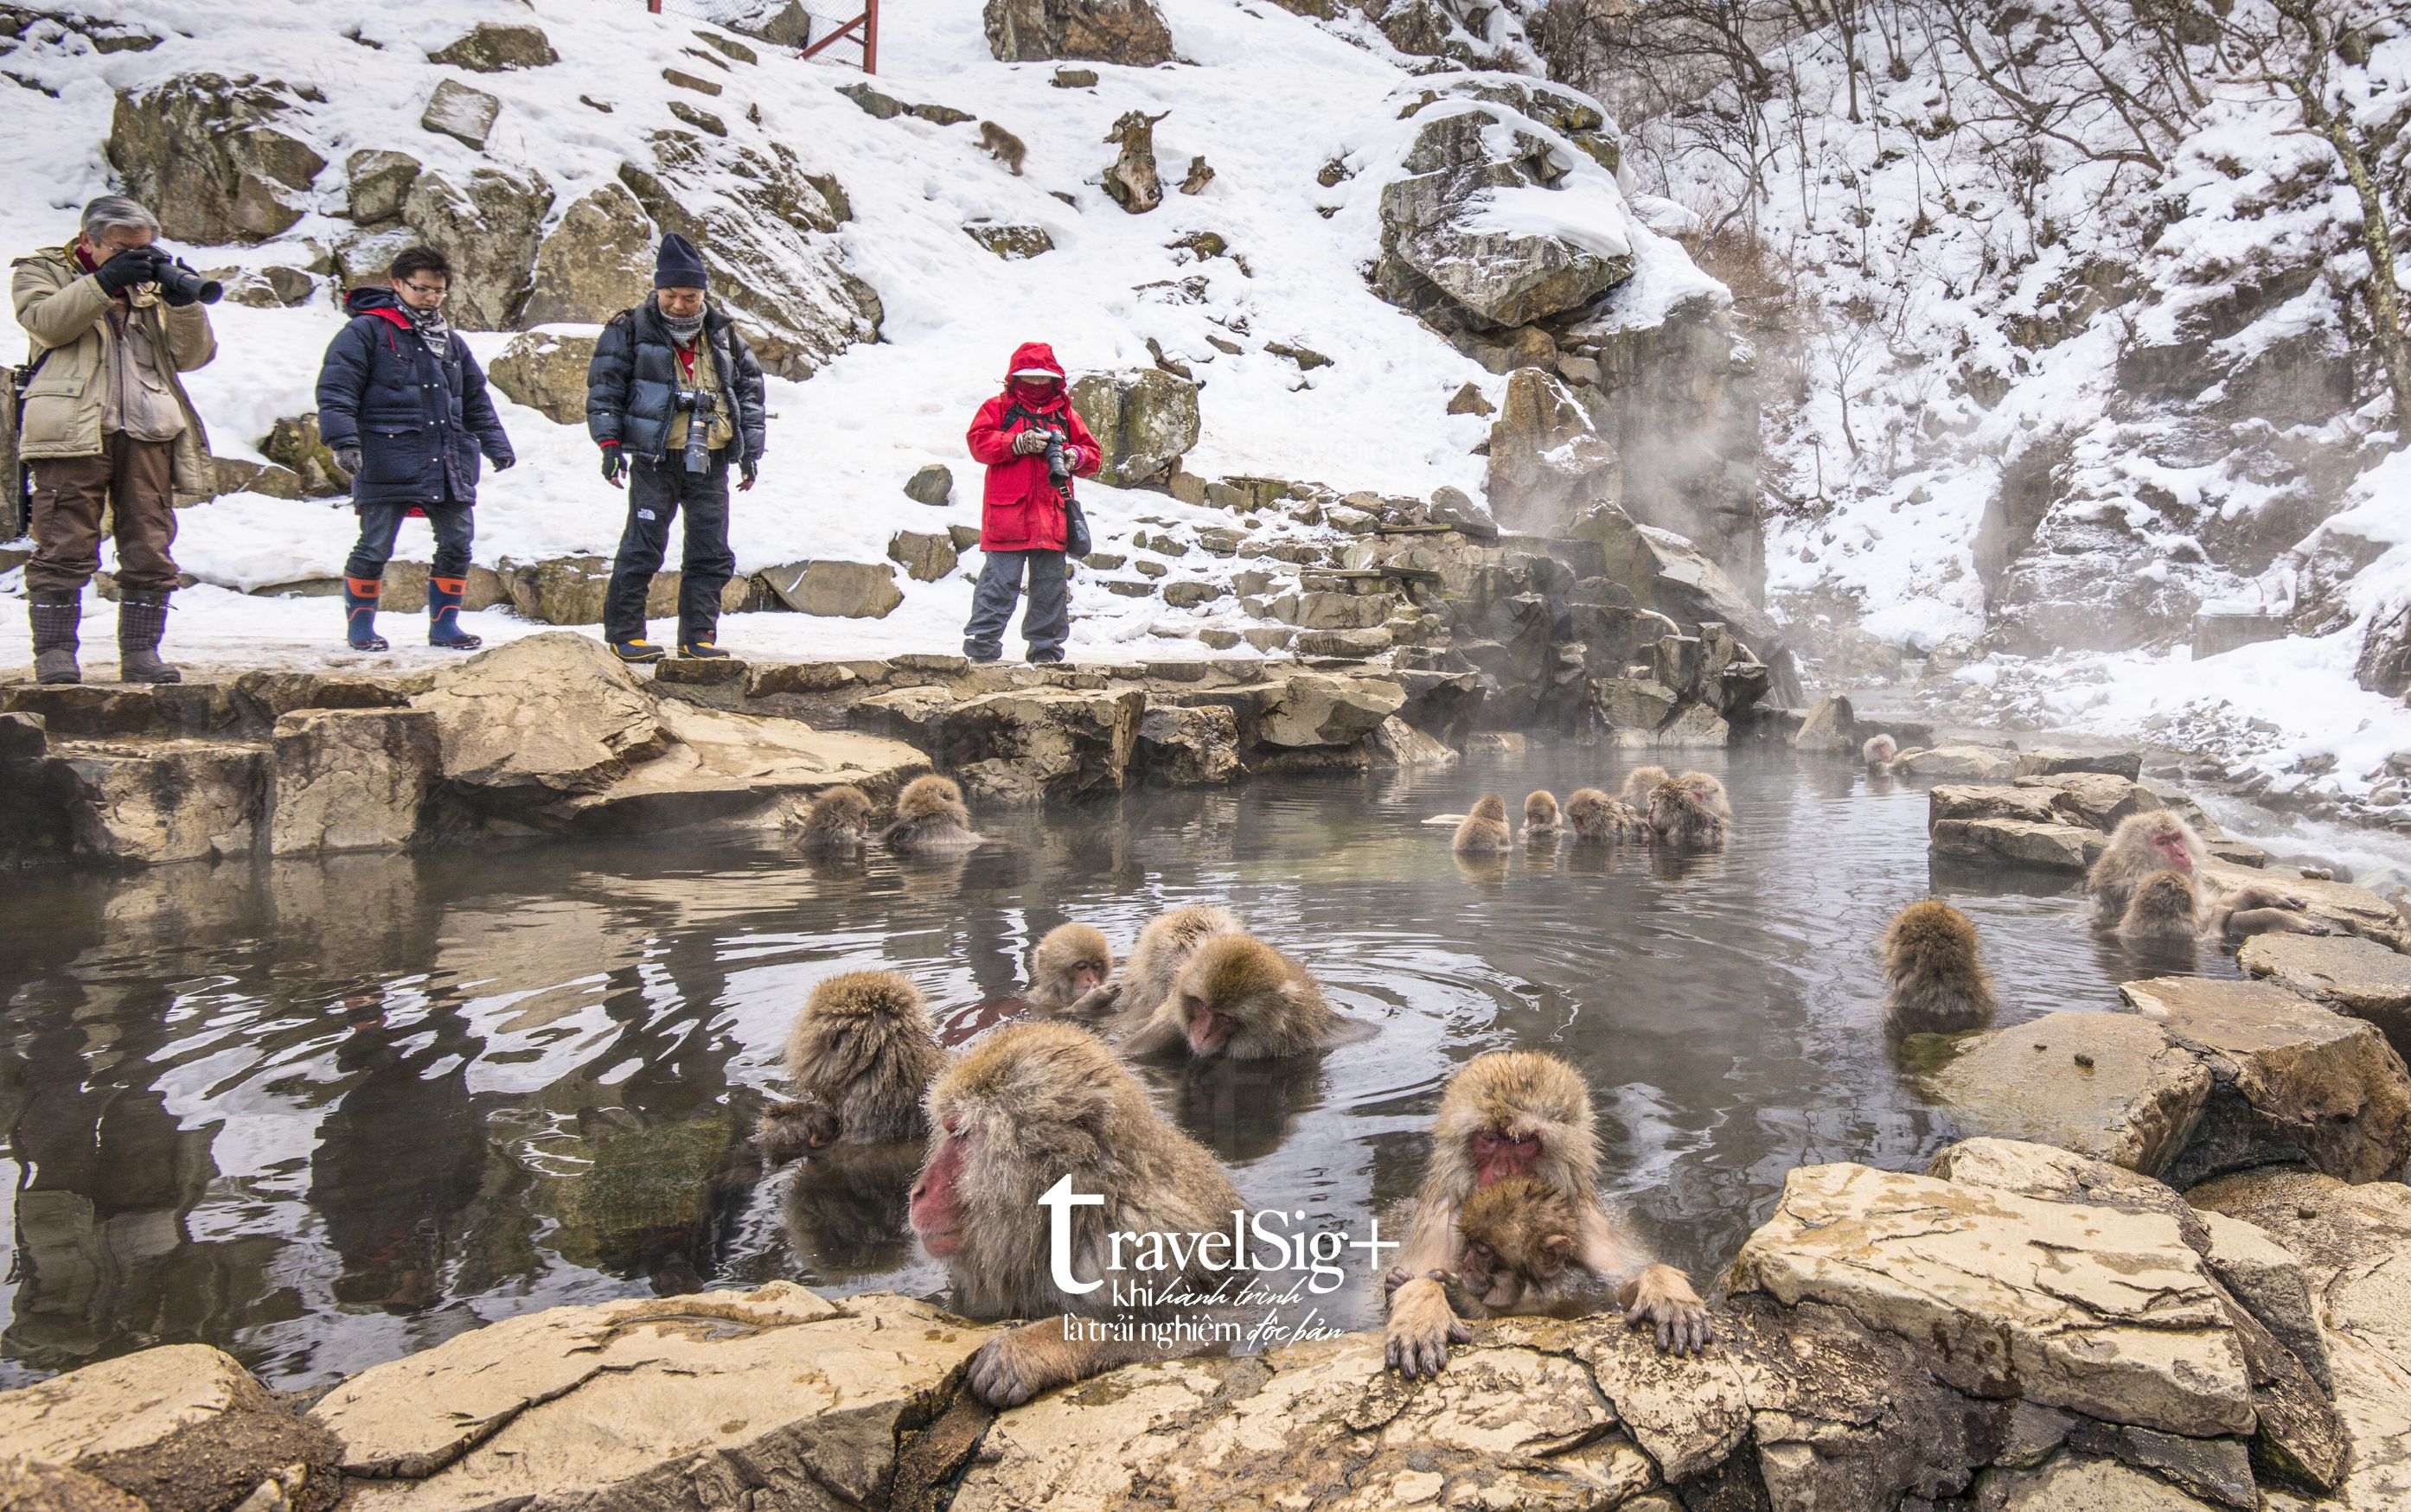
x,y
1059,467
702,406
182,285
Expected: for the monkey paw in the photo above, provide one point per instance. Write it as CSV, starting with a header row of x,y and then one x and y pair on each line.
x,y
1422,1326
1012,1367
1682,1322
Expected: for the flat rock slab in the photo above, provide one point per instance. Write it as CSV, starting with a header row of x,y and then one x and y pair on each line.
x,y
2095,799
2354,1242
2080,1483
737,769
2292,1080
2113,1086
556,713
2051,760
2355,910
773,1396
2052,845
1976,763
2092,1309
1988,800
2354,976
123,1404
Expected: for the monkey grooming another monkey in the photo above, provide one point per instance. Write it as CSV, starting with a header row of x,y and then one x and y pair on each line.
x,y
1240,1000
1879,752
1689,810
1521,1114
1006,147
860,1056
2157,840
1163,947
1540,817
1598,818
930,818
1937,984
838,822
1032,1105
1639,784
1485,830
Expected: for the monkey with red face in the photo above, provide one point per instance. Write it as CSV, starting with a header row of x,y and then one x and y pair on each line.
x,y
1511,1114
2156,841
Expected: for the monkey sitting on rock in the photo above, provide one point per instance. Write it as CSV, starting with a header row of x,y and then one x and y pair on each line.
x,y
1598,818
930,818
2157,842
1240,1000
860,1055
1938,986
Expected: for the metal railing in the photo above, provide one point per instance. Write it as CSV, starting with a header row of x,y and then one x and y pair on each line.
x,y
859,30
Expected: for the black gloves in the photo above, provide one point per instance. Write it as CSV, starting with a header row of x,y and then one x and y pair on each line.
x,y
613,466
348,458
136,265
750,470
502,462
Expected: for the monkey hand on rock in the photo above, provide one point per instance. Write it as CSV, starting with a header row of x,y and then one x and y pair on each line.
x,y
1662,1296
1017,1364
1422,1325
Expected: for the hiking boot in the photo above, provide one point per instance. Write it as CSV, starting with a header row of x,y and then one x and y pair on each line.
x,y
361,597
638,652
1046,659
141,622
54,623
702,652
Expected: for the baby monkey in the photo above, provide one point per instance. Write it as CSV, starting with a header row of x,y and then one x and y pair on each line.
x,y
2165,905
1484,831
838,822
1519,1254
1541,820
1598,818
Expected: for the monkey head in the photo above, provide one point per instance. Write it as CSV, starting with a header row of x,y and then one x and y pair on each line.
x,y
1879,748
1490,807
1519,1234
931,797
1240,997
1070,961
1516,1113
1540,808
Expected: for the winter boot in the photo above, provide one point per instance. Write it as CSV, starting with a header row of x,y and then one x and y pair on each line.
x,y
360,595
444,614
55,638
702,647
141,622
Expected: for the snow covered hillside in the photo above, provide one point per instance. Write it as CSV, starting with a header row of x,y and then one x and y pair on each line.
x,y
1264,259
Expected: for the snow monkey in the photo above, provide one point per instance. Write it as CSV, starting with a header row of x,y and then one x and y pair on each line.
x,y
1689,810
838,822
1596,817
1880,752
929,818
1004,144
1639,784
1163,947
1937,984
1510,1113
1240,1000
1519,1252
1032,1105
860,1055
1540,819
1071,962
1485,828
2163,905
2157,840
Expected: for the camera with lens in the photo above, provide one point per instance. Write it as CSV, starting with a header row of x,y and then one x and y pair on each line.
x,y
1059,467
182,285
702,406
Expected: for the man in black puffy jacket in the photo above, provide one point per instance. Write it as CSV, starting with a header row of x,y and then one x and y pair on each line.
x,y
403,405
674,397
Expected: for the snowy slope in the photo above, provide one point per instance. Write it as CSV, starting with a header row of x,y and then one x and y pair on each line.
x,y
1265,96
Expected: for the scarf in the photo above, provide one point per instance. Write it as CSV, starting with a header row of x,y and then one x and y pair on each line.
x,y
682,331
432,328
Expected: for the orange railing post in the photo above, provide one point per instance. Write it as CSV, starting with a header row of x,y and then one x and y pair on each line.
x,y
870,36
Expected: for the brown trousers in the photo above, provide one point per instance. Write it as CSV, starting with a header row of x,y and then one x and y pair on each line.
x,y
138,479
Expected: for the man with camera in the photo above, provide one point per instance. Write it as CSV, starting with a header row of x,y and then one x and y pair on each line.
x,y
403,406
1033,444
106,425
674,397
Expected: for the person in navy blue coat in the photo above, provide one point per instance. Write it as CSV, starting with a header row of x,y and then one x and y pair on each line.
x,y
403,405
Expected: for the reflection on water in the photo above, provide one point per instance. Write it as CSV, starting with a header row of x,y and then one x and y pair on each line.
x,y
324,1113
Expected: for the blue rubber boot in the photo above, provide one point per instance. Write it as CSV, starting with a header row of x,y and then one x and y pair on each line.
x,y
360,598
444,614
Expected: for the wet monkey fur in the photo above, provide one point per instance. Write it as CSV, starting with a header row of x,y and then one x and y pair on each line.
x,y
1938,986
860,1056
930,818
1240,1000
1598,818
838,822
1541,820
1485,830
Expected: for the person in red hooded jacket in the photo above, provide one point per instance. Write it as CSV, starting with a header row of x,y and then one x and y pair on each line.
x,y
1023,510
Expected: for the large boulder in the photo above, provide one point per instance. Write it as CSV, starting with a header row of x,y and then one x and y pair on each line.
x,y
207,154
1314,708
551,715
1127,32
466,115
1548,463
2113,1086
1975,763
2047,844
139,803
351,780
378,181
1666,573
596,261
735,772
546,371
497,47
846,590
1189,748
764,227
796,1400
1021,744
1145,421
490,226
2349,975
1451,244
181,1428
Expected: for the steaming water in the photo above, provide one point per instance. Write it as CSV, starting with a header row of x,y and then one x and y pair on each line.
x,y
322,1114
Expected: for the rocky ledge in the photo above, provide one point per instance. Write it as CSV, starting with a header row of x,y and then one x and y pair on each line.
x,y
2019,1329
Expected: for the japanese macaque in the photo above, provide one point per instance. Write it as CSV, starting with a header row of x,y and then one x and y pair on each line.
x,y
1519,1254
930,818
1541,820
1071,962
1937,984
1163,947
2163,907
1639,784
1879,752
1508,1114
2147,844
1004,145
1597,818
1240,1000
1485,828
838,823
1689,810
1032,1105
860,1055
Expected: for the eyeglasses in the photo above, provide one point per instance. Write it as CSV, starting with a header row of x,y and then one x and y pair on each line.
x,y
428,291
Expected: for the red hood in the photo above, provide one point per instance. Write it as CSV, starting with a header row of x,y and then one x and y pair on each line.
x,y
1035,355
